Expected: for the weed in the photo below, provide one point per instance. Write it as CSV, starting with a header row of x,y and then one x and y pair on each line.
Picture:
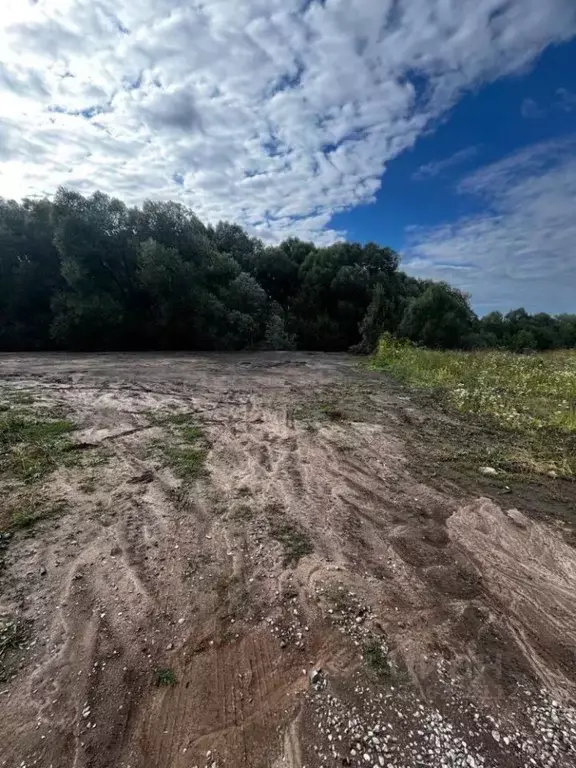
x,y
186,457
32,447
191,433
317,410
186,462
530,397
338,597
30,511
165,677
20,397
243,512
332,412
13,634
343,445
19,428
376,658
294,540
178,419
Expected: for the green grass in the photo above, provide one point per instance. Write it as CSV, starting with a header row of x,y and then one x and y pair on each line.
x,y
187,462
31,447
531,396
179,419
186,454
376,659
165,677
295,542
26,512
19,397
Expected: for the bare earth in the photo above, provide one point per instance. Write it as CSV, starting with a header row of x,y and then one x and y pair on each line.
x,y
419,627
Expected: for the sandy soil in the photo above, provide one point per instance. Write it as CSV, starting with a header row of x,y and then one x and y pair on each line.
x,y
424,628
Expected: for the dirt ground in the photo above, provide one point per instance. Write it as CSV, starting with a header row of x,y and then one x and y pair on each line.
x,y
307,599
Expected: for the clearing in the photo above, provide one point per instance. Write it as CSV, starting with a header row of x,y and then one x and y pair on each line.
x,y
273,559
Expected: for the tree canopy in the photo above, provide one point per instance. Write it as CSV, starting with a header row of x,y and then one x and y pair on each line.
x,y
90,273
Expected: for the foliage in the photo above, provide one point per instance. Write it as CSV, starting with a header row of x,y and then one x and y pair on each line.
x,y
91,273
530,394
439,317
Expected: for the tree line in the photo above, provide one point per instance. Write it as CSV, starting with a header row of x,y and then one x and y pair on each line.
x,y
90,273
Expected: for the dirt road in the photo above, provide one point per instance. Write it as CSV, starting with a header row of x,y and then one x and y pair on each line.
x,y
284,593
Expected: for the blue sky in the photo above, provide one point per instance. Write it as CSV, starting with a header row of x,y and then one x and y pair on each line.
x,y
445,128
422,187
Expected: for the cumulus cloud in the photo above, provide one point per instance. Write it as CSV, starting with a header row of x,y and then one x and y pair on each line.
x,y
521,250
437,167
274,113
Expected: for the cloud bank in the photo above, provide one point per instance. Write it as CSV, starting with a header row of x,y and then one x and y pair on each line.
x,y
522,249
273,113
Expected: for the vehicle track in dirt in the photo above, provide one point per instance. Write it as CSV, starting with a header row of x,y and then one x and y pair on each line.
x,y
438,621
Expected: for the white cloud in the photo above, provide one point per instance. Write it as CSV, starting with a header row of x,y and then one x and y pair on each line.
x,y
530,110
436,167
566,99
522,250
273,113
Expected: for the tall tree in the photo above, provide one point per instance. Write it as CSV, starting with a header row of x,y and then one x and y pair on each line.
x,y
91,273
440,317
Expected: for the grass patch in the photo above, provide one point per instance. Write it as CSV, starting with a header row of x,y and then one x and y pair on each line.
x,y
27,513
165,677
178,419
20,397
294,540
531,399
243,512
17,428
332,412
191,433
376,659
32,447
13,635
317,410
337,596
337,404
187,454
186,462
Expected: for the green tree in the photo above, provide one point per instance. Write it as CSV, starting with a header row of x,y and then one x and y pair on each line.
x,y
440,317
91,273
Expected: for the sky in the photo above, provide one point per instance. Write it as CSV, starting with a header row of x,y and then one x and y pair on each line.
x,y
443,128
